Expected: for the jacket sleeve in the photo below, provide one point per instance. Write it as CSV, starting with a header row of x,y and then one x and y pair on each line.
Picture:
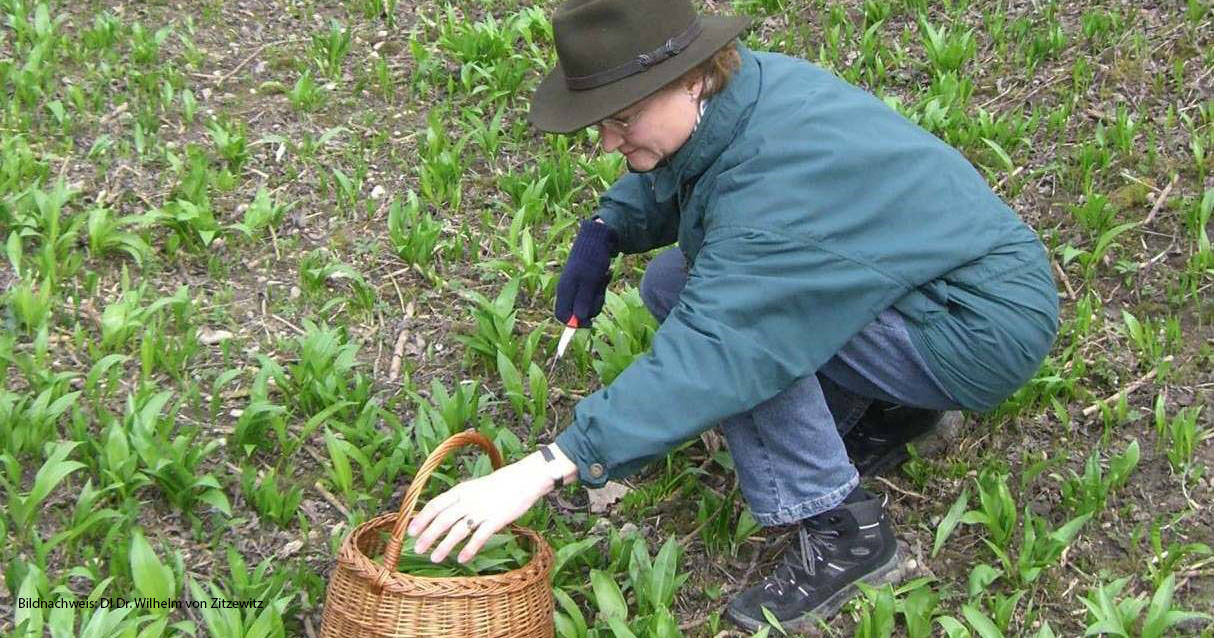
x,y
643,223
760,310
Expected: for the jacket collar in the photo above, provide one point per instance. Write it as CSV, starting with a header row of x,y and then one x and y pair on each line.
x,y
727,111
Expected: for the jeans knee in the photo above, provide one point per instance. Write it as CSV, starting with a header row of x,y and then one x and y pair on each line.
x,y
662,282
649,297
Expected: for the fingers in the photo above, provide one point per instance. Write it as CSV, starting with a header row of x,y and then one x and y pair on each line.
x,y
459,531
436,528
588,302
565,292
478,540
437,505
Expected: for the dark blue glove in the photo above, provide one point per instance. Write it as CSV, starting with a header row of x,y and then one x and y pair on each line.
x,y
583,284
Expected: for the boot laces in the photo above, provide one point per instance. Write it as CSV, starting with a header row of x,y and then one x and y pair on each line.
x,y
804,559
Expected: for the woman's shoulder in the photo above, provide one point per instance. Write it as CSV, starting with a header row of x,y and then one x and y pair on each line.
x,y
779,68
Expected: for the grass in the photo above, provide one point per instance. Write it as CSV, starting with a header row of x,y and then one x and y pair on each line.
x,y
256,269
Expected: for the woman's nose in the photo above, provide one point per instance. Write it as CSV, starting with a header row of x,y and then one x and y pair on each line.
x,y
610,139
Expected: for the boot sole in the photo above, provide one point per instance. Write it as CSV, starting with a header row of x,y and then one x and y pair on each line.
x,y
931,443
887,572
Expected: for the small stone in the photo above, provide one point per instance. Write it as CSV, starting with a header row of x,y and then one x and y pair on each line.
x,y
295,292
629,529
377,192
601,526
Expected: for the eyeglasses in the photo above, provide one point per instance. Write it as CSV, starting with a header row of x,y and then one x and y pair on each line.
x,y
621,126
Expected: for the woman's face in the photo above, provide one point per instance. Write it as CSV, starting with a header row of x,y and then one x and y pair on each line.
x,y
654,128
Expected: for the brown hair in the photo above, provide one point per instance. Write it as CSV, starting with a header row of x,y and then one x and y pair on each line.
x,y
715,71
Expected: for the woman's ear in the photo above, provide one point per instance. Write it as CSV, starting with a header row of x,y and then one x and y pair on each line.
x,y
695,88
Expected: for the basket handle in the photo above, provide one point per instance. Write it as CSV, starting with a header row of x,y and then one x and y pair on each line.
x,y
407,506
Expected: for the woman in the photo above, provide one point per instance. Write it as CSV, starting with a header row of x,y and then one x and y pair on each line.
x,y
831,255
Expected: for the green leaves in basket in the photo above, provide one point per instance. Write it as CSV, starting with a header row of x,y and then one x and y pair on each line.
x,y
501,553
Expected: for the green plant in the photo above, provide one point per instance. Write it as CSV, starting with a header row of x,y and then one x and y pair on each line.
x,y
261,621
947,50
231,142
442,165
1111,614
174,465
329,49
414,234
327,371
269,499
194,224
950,520
189,105
997,509
1095,213
501,553
121,319
1041,546
153,579
1088,493
485,42
1181,436
530,402
445,413
723,526
494,326
385,9
25,507
1197,220
1167,559
262,213
622,333
28,421
305,94
31,306
106,235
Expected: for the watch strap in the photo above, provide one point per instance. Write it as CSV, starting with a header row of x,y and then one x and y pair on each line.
x,y
558,479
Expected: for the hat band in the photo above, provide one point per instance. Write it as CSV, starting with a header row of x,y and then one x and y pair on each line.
x,y
671,48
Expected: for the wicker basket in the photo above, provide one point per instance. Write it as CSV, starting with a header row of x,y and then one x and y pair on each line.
x,y
368,599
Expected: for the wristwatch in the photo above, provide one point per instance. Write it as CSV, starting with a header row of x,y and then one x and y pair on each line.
x,y
558,477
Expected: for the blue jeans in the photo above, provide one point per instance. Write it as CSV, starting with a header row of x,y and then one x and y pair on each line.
x,y
788,450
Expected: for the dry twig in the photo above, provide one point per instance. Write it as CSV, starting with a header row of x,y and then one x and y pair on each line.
x,y
900,490
1159,201
332,500
256,52
1138,383
398,353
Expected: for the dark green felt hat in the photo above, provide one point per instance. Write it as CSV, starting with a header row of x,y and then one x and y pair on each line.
x,y
615,53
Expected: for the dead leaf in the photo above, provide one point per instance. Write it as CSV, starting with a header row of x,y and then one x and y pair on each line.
x,y
208,337
290,548
603,498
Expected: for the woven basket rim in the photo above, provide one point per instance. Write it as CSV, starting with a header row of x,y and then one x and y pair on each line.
x,y
531,569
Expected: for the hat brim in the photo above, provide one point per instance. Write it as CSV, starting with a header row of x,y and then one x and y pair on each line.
x,y
557,109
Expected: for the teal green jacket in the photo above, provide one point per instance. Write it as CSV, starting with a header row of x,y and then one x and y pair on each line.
x,y
806,206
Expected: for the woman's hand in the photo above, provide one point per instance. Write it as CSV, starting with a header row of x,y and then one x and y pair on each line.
x,y
479,507
582,288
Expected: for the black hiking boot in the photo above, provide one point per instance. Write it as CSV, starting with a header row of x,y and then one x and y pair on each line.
x,y
878,440
818,572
